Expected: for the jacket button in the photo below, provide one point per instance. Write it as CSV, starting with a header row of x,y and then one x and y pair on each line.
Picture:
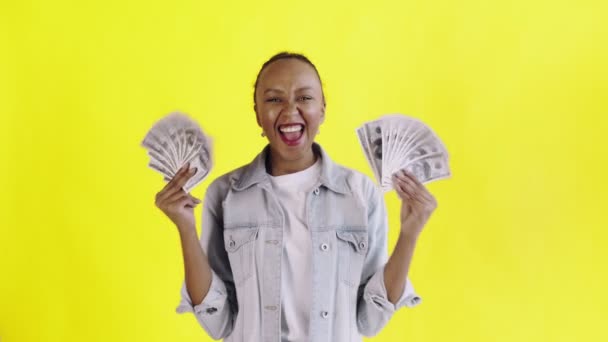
x,y
324,314
362,245
316,191
324,247
271,307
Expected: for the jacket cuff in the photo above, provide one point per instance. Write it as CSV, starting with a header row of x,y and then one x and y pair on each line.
x,y
409,297
375,291
212,303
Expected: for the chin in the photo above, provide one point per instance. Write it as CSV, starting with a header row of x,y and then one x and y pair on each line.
x,y
292,152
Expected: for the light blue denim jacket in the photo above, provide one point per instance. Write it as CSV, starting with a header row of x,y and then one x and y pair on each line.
x,y
242,236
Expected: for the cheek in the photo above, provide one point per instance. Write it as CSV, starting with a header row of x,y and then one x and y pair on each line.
x,y
313,117
267,118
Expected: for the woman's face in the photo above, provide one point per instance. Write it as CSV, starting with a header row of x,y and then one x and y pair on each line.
x,y
289,107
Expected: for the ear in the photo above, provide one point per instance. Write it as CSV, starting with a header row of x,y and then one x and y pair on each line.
x,y
322,113
257,117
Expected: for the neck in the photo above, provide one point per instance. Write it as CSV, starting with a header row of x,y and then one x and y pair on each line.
x,y
279,166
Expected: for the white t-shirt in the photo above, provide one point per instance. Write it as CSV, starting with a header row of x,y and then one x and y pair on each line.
x,y
296,270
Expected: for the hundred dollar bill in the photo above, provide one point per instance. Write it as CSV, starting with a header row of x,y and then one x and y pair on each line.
x,y
429,169
370,138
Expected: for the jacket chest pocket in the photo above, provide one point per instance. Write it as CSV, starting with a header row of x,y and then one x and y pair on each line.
x,y
240,245
352,250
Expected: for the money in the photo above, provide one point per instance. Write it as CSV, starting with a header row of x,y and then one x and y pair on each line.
x,y
175,140
429,168
395,142
371,141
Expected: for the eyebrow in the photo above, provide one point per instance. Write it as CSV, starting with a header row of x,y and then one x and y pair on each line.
x,y
281,91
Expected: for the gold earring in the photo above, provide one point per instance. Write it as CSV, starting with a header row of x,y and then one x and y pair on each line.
x,y
262,135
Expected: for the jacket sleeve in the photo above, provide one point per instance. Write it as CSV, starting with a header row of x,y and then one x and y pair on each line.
x,y
218,309
374,310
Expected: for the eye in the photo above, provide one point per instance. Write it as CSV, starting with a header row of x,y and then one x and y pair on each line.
x,y
305,98
273,99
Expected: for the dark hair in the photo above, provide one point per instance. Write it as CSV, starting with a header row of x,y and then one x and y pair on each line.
x,y
286,55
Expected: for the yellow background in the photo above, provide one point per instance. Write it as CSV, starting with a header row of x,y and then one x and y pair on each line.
x,y
516,89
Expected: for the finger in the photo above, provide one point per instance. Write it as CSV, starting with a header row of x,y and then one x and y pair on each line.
x,y
185,178
185,202
193,199
413,177
401,176
180,172
172,181
178,177
407,183
419,188
401,193
177,196
179,183
400,190
170,189
196,200
192,204
409,186
182,194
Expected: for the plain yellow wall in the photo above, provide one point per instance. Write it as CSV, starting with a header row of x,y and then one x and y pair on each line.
x,y
517,90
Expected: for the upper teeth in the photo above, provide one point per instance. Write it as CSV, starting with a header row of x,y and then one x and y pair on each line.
x,y
287,129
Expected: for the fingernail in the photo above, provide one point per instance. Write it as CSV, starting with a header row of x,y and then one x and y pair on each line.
x,y
193,170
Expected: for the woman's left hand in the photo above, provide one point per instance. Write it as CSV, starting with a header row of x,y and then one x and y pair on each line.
x,y
417,203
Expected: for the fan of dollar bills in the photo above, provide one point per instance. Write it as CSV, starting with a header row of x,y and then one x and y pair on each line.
x,y
175,140
395,142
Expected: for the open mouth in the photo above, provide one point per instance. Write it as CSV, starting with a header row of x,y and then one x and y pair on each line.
x,y
291,133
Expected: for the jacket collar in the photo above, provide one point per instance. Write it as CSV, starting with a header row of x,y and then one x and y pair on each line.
x,y
332,175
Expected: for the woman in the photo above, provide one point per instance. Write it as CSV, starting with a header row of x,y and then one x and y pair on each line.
x,y
294,246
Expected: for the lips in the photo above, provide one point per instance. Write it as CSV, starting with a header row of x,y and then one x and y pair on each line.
x,y
291,133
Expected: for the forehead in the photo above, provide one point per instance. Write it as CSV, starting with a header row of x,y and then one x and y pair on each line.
x,y
287,73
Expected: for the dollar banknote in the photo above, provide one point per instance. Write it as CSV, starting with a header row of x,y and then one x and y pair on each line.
x,y
395,142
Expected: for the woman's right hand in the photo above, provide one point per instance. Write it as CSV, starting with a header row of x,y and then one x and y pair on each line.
x,y
176,203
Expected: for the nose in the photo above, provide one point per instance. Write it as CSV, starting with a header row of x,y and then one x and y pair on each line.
x,y
291,108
